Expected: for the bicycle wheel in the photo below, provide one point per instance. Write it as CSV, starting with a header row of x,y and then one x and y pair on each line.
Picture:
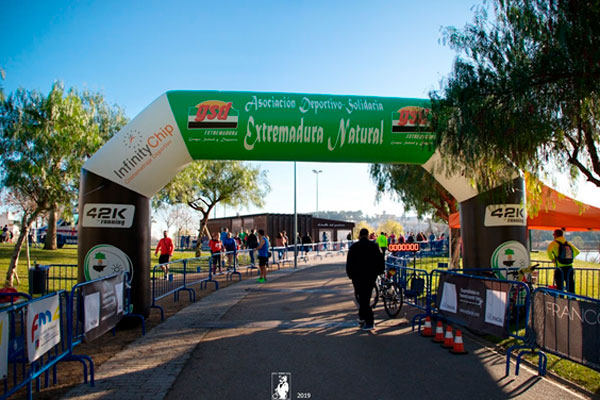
x,y
393,300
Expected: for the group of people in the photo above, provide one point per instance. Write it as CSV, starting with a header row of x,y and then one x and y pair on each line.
x,y
224,243
7,235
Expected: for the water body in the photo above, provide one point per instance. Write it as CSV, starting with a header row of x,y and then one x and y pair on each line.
x,y
590,256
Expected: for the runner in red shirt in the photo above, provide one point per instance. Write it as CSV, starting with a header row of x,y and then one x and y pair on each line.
x,y
166,247
216,248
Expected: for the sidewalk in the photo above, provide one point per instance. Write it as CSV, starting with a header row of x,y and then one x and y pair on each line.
x,y
233,343
148,367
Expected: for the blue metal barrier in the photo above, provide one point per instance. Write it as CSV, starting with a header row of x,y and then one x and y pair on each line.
x,y
61,277
568,314
76,323
167,279
518,311
21,372
415,284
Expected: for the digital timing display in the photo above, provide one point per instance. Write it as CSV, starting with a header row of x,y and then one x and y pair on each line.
x,y
394,247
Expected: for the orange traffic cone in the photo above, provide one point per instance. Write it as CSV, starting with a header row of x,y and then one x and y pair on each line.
x,y
459,347
439,333
427,328
448,339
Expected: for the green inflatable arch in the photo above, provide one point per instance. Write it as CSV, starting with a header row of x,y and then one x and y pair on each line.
x,y
181,126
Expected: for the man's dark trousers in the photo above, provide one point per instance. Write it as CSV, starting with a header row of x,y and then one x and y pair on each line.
x,y
363,294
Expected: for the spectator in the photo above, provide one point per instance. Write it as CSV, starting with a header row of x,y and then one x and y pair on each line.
x,y
4,237
166,247
223,236
280,244
286,241
431,240
382,242
306,243
401,238
252,243
231,248
562,253
216,248
410,238
392,238
263,255
364,263
242,236
325,240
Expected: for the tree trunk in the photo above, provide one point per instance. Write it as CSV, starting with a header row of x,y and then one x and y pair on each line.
x,y
14,261
50,242
203,228
455,242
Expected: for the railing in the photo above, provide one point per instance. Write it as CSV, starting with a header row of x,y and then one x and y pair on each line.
x,y
22,369
566,325
61,277
170,278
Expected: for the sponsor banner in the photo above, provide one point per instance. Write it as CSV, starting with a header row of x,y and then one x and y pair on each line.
x,y
568,327
104,260
104,215
505,215
312,127
146,154
476,303
3,344
103,306
43,326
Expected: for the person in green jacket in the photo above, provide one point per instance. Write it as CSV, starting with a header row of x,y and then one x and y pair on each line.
x,y
382,242
562,253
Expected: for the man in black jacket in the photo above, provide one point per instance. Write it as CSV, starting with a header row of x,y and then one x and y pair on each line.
x,y
252,243
365,262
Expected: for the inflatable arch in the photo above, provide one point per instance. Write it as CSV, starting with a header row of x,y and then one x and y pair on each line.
x,y
181,126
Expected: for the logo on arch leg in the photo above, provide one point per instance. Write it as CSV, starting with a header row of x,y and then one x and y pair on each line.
x,y
213,114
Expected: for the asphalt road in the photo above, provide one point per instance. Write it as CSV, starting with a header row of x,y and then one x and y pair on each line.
x,y
303,325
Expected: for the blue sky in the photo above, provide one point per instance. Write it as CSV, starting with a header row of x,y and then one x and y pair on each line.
x,y
133,51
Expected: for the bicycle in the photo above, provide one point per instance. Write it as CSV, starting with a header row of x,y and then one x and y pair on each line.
x,y
391,292
518,295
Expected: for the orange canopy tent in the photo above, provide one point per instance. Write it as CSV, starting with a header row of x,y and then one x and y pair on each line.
x,y
557,211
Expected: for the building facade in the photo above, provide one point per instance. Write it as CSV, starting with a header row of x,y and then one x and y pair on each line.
x,y
272,224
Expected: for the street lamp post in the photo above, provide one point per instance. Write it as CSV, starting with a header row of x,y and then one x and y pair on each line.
x,y
317,172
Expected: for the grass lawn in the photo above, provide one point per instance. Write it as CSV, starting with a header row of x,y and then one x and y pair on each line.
x,y
66,255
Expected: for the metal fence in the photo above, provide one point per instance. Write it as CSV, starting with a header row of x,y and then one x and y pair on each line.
x,y
566,325
22,374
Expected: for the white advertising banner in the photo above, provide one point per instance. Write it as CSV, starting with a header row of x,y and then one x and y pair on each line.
x,y
43,326
495,307
120,298
3,344
448,302
146,154
91,305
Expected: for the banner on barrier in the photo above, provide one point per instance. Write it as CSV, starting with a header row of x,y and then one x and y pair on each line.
x,y
103,306
478,304
3,344
569,327
43,326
